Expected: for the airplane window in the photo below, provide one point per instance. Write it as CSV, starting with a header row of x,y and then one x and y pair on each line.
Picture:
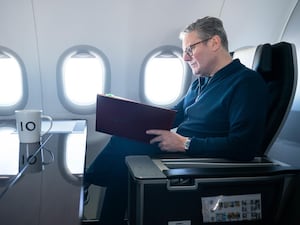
x,y
13,89
165,76
159,73
245,55
83,73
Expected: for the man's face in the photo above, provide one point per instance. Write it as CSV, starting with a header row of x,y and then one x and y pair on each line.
x,y
197,53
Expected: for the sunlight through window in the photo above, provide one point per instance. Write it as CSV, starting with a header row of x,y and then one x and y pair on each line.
x,y
163,80
11,88
83,79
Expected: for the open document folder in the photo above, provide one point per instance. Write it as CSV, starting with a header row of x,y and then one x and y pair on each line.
x,y
126,118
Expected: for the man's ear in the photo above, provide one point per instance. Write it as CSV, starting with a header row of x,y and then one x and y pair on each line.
x,y
215,42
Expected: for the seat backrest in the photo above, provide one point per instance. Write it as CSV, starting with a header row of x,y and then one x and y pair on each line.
x,y
278,66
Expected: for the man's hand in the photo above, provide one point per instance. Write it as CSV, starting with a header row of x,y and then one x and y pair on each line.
x,y
168,141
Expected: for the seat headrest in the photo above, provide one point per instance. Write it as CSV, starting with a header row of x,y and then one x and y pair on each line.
x,y
262,61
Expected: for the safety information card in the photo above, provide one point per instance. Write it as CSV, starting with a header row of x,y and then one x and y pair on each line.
x,y
231,208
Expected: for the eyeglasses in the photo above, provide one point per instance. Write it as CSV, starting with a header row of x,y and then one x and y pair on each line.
x,y
189,50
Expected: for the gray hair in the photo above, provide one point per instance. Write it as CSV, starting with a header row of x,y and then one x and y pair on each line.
x,y
206,28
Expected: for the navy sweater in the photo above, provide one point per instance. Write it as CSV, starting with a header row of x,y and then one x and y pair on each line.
x,y
225,117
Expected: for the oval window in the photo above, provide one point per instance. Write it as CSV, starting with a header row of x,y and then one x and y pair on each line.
x,y
165,76
83,73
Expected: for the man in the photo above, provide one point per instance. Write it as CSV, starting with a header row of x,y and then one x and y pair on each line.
x,y
222,115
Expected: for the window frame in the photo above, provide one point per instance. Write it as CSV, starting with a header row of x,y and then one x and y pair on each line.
x,y
69,105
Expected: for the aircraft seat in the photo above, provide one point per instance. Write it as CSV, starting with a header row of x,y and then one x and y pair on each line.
x,y
217,191
281,80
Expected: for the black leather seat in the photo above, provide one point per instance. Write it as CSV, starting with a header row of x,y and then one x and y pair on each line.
x,y
277,64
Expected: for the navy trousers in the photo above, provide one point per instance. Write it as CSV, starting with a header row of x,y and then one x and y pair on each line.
x,y
109,170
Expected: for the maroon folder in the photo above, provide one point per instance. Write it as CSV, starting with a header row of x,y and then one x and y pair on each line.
x,y
126,118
